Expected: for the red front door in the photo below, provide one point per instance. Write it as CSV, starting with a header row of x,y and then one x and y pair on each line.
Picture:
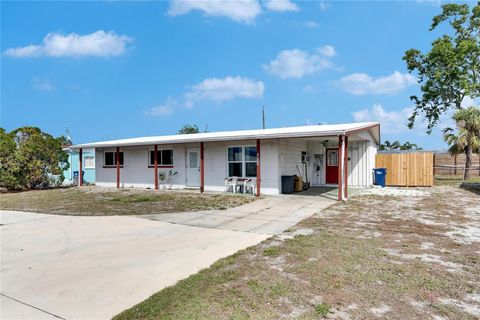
x,y
331,176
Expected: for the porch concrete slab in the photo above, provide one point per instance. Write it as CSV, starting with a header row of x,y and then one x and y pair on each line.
x,y
242,224
77,267
256,206
272,227
269,215
230,213
176,217
209,221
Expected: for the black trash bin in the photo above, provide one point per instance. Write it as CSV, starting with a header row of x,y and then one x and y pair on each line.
x,y
288,184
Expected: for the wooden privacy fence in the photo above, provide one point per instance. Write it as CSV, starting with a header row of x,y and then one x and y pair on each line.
x,y
407,169
447,165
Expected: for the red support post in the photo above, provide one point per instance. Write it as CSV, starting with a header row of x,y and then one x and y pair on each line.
x,y
340,167
80,166
258,168
345,163
155,157
117,156
202,168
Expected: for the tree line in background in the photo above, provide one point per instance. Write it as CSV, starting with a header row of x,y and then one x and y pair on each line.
x,y
30,158
449,76
396,145
189,129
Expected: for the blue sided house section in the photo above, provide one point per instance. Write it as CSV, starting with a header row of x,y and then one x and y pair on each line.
x,y
72,174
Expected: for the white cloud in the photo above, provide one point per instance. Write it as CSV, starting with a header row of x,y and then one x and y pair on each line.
x,y
311,24
162,110
390,121
327,51
280,5
324,6
97,44
361,83
238,10
219,90
297,63
436,3
42,84
213,90
468,102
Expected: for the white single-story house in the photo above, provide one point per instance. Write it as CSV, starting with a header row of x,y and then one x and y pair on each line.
x,y
338,154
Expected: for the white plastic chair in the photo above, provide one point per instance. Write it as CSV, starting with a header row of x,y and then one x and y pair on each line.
x,y
249,184
231,182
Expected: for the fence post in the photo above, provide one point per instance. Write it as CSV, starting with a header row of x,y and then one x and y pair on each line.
x,y
455,165
434,164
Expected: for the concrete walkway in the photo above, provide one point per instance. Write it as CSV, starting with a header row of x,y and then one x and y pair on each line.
x,y
71,267
271,215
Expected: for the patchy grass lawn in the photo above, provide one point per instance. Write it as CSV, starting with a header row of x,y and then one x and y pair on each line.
x,y
453,180
374,257
94,201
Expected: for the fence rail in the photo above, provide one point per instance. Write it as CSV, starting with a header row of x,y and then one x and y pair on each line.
x,y
454,170
445,164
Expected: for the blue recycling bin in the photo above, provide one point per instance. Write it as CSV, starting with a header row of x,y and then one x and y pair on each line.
x,y
379,176
76,173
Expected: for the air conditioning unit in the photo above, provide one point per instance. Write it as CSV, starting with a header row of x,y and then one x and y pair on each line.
x,y
305,157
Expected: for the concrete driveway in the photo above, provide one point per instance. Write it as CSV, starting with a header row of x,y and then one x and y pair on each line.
x,y
271,215
72,267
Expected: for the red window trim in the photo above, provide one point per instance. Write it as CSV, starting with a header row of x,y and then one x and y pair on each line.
x,y
159,166
112,167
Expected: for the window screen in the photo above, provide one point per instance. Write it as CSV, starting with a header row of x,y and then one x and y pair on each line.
x,y
110,160
164,157
242,161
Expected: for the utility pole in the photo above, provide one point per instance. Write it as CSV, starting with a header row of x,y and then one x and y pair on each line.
x,y
263,117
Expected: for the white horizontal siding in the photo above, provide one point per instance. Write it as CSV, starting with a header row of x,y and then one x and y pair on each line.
x,y
216,169
290,153
278,157
136,173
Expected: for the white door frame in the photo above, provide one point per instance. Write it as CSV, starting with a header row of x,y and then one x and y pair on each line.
x,y
192,180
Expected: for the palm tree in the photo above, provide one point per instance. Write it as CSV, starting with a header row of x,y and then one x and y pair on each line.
x,y
467,139
396,145
387,145
409,146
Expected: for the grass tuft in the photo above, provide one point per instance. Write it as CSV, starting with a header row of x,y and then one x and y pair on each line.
x,y
272,251
322,309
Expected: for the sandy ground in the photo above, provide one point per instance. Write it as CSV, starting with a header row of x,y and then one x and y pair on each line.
x,y
393,253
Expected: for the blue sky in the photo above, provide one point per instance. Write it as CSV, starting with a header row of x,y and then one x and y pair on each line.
x,y
108,70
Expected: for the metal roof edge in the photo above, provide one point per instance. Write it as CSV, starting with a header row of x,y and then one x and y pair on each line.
x,y
235,135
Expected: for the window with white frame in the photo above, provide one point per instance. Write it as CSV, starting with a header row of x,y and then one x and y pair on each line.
x,y
164,157
89,162
242,161
109,158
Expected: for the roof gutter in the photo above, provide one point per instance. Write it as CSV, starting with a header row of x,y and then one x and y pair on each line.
x,y
209,139
186,139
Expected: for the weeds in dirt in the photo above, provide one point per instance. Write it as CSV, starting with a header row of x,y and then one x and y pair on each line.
x,y
104,201
323,309
390,257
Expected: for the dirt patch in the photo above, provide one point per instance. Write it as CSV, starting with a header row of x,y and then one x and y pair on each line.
x,y
94,201
376,256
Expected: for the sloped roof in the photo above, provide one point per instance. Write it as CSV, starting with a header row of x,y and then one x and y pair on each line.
x,y
286,132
